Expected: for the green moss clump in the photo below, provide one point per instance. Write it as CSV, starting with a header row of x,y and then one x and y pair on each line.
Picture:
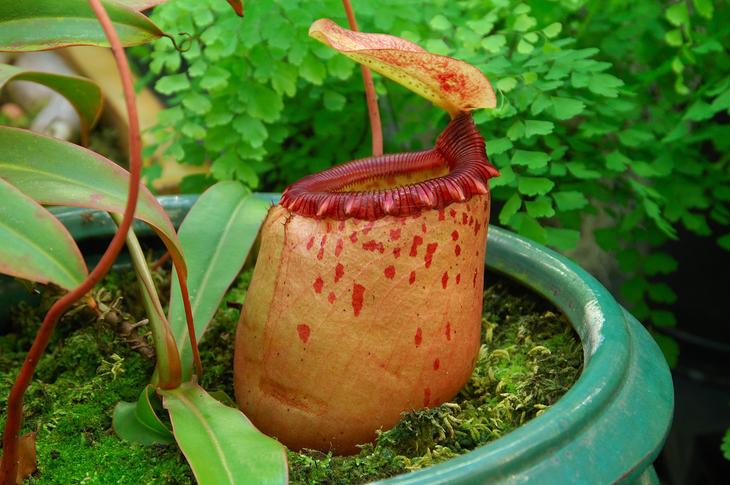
x,y
87,369
529,357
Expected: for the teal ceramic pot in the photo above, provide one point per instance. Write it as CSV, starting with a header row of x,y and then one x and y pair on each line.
x,y
609,427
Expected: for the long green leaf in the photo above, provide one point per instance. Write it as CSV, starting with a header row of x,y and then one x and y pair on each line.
x,y
216,235
137,422
83,94
55,172
34,245
220,443
49,24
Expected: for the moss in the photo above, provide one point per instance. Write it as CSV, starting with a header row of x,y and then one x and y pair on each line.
x,y
529,357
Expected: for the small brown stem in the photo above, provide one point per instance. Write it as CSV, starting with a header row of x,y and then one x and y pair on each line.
x,y
162,260
376,127
168,359
9,466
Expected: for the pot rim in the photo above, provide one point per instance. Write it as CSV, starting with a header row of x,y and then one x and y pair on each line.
x,y
611,423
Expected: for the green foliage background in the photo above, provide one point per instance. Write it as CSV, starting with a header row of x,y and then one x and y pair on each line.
x,y
608,111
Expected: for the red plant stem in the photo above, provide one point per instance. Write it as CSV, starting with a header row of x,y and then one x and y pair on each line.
x,y
191,326
160,261
8,468
376,126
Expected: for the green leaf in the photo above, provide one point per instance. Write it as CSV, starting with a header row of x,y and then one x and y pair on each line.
x,y
216,235
537,127
699,111
312,69
617,161
509,209
562,239
725,446
540,207
540,104
663,318
494,43
498,145
724,241
722,101
264,103
531,159
656,263
677,14
83,94
523,23
334,101
661,293
50,24
506,84
516,130
172,84
251,129
532,229
706,9
674,38
215,78
137,422
524,47
54,172
220,443
569,200
566,108
534,185
605,84
35,245
579,170
197,103
552,30
439,22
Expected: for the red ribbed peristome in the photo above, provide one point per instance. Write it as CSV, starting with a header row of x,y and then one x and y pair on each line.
x,y
460,147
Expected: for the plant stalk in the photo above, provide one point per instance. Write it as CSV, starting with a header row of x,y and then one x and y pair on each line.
x,y
169,369
9,465
376,126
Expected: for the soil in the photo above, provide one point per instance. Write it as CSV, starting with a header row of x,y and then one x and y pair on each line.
x,y
529,358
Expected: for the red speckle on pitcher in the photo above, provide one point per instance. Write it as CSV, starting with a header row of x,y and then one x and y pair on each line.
x,y
338,247
373,245
339,272
358,292
320,254
430,250
417,241
304,331
389,272
318,284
